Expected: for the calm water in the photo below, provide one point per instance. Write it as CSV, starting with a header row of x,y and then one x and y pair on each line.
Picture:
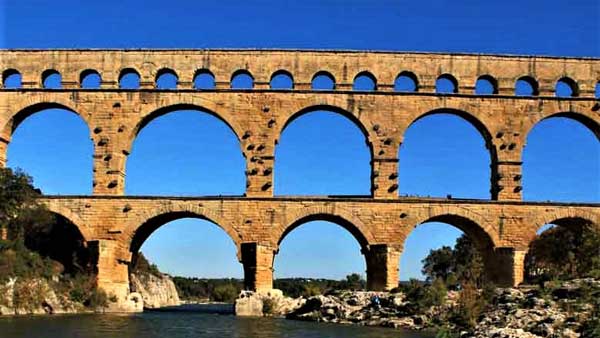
x,y
182,324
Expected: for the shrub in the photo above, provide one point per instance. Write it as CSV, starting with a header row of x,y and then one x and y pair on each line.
x,y
225,293
97,299
269,306
28,294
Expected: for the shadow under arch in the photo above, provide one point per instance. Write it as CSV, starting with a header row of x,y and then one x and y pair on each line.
x,y
588,122
73,218
149,117
353,226
13,123
142,232
479,126
327,108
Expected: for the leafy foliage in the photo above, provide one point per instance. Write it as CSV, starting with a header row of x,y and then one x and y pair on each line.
x,y
141,266
455,265
564,253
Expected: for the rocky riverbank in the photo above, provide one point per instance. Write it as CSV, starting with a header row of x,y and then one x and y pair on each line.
x,y
37,296
562,310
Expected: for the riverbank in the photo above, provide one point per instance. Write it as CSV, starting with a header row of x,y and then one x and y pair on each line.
x,y
568,309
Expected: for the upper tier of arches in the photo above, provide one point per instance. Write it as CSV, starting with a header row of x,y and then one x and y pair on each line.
x,y
470,74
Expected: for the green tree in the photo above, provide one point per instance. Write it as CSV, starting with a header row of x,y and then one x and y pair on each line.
x,y
564,252
455,265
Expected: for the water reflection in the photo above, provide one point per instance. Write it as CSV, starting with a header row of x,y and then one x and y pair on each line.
x,y
182,325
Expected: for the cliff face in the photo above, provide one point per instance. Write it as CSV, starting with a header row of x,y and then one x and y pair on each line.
x,y
156,291
34,296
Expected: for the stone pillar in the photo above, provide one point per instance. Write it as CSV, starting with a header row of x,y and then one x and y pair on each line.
x,y
382,266
506,181
109,171
113,272
384,178
3,149
508,267
113,277
258,266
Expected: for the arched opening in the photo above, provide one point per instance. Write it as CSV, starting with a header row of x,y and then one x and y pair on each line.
x,y
129,79
566,87
445,153
526,86
598,90
322,151
365,81
282,79
52,144
486,85
452,248
200,256
11,79
185,150
323,81
166,79
566,248
90,79
561,161
204,79
242,79
51,79
406,82
446,84
331,242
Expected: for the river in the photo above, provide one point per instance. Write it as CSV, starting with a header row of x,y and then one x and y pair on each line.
x,y
183,325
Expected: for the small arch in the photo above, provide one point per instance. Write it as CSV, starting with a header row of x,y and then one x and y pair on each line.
x,y
90,79
282,79
486,85
204,79
526,86
566,87
323,80
166,79
51,79
129,78
365,81
11,79
242,79
446,84
597,90
406,82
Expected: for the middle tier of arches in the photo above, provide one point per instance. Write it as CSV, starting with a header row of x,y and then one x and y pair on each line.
x,y
258,120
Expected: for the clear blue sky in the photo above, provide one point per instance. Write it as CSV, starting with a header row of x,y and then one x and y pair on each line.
x,y
177,155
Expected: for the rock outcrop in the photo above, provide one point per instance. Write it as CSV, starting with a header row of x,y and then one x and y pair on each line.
x,y
156,291
265,303
34,296
554,311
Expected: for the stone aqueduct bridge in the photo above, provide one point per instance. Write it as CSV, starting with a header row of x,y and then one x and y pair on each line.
x,y
502,226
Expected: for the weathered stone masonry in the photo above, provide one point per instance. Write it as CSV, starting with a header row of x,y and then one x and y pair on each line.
x,y
502,227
